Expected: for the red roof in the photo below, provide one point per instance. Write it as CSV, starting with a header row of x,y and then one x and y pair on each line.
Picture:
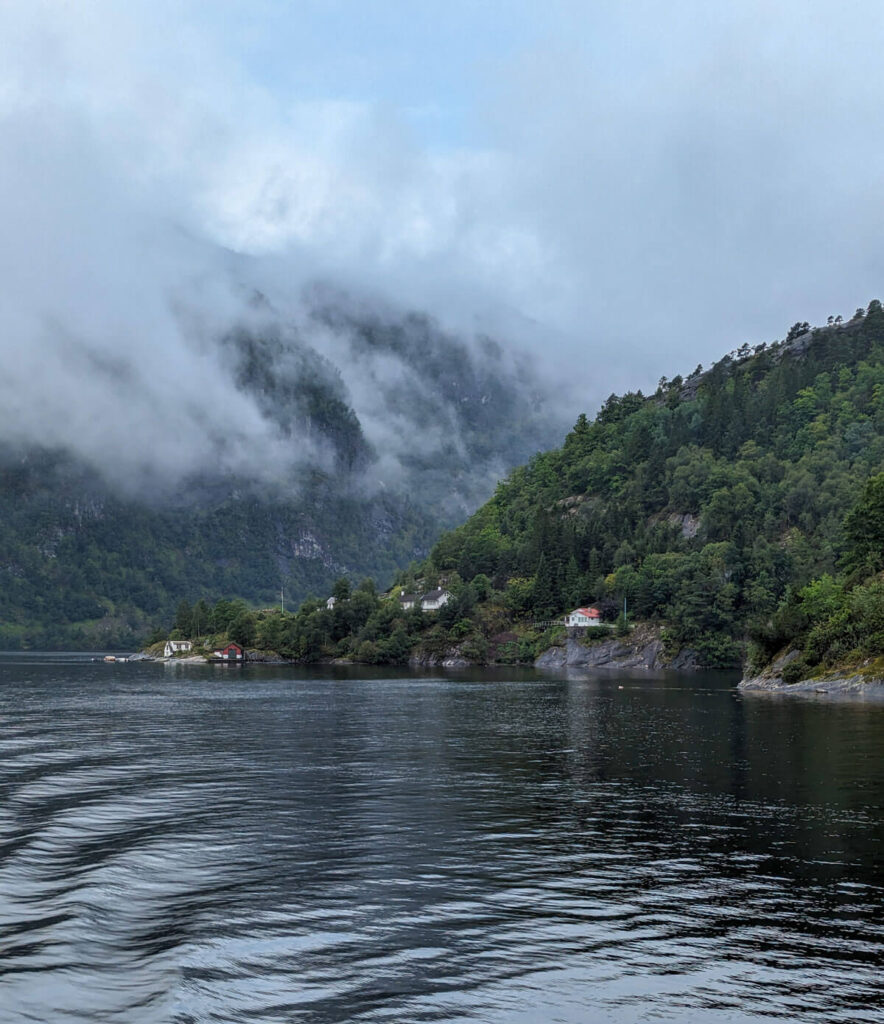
x,y
590,613
232,646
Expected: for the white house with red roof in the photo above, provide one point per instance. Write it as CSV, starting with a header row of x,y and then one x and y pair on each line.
x,y
584,617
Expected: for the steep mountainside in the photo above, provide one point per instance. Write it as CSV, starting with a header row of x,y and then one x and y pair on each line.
x,y
703,507
86,562
702,504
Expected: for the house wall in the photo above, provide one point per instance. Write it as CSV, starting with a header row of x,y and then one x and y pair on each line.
x,y
581,620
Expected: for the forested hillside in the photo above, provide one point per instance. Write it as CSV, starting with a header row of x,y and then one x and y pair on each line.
x,y
703,506
834,623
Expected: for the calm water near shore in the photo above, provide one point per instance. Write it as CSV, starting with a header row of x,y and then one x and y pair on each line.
x,y
195,844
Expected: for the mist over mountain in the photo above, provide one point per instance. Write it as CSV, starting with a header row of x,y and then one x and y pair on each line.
x,y
336,444
179,415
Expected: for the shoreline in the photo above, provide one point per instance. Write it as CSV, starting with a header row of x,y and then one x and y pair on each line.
x,y
848,684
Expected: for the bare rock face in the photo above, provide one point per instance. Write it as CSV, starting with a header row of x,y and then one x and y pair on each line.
x,y
856,685
449,659
642,650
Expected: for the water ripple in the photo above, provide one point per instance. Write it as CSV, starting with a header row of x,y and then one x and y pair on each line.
x,y
284,848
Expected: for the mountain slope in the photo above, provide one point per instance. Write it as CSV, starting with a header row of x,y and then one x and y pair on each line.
x,y
701,504
702,507
88,559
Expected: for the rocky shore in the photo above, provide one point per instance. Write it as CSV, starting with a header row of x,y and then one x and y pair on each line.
x,y
847,681
642,649
450,659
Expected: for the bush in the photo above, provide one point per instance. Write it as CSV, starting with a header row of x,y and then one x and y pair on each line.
x,y
368,653
795,671
476,649
596,634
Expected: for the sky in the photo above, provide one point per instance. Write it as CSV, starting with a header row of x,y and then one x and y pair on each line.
x,y
623,189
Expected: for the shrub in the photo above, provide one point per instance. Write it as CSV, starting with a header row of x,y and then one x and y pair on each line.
x,y
795,671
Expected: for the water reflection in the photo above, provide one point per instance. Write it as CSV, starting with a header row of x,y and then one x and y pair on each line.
x,y
273,846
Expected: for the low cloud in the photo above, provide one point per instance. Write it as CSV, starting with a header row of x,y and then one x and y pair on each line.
x,y
642,187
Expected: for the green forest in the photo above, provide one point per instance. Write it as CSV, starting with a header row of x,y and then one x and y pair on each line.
x,y
835,622
738,509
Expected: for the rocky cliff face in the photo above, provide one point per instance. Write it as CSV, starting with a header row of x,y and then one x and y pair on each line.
x,y
642,649
452,658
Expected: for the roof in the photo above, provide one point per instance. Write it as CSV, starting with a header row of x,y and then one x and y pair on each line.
x,y
433,595
409,597
590,613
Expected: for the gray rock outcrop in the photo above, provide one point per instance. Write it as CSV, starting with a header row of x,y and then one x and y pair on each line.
x,y
770,680
642,650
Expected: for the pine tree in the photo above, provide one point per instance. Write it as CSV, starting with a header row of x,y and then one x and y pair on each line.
x,y
571,583
184,619
545,589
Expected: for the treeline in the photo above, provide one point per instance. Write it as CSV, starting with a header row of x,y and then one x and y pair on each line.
x,y
362,625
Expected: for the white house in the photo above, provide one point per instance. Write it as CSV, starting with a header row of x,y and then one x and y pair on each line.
x,y
407,601
176,647
434,600
584,617
330,603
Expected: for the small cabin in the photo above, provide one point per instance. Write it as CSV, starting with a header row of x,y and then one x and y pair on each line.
x,y
174,647
584,617
434,600
331,602
408,601
232,652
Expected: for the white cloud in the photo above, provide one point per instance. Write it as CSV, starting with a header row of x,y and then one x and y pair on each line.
x,y
643,187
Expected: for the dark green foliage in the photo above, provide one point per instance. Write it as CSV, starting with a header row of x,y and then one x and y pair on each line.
x,y
836,621
864,527
795,671
81,567
183,618
242,629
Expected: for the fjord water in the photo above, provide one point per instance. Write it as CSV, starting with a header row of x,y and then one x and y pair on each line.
x,y
190,844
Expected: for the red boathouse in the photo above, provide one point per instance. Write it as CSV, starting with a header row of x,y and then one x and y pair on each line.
x,y
232,652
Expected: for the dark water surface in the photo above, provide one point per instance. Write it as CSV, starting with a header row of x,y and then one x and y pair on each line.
x,y
262,845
